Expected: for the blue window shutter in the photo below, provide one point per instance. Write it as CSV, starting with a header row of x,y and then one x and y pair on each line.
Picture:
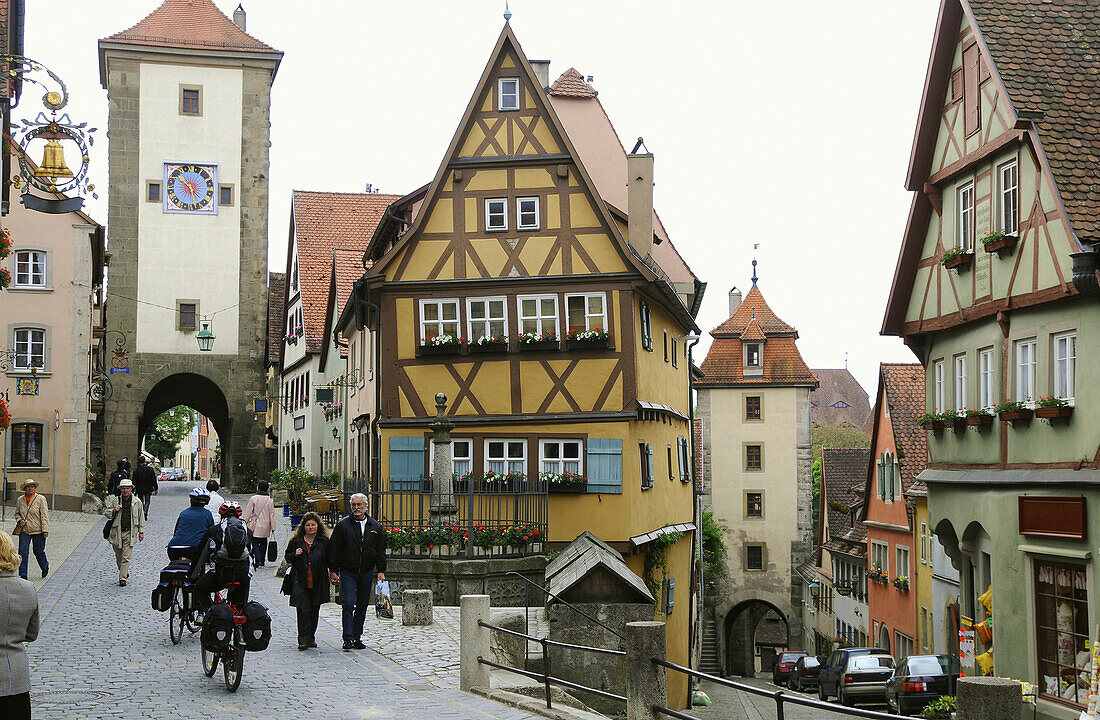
x,y
649,463
605,465
406,462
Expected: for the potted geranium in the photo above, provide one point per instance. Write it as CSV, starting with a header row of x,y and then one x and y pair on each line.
x,y
445,344
1053,408
998,242
589,339
957,419
980,419
901,582
489,344
1014,411
5,243
877,574
566,482
532,341
957,258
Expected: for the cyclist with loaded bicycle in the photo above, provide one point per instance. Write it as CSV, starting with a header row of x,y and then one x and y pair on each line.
x,y
191,527
229,544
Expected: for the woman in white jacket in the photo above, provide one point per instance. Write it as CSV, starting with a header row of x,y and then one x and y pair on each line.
x,y
259,516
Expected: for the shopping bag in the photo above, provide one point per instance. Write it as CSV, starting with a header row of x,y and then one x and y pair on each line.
x,y
382,606
272,551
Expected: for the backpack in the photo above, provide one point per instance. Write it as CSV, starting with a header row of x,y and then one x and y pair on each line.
x,y
116,477
257,628
234,540
217,628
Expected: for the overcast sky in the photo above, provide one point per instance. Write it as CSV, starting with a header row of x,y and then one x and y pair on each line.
x,y
784,124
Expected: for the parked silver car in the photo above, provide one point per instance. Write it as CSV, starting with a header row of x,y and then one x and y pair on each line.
x,y
864,679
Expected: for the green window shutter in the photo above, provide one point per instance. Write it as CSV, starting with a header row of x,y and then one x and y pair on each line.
x,y
680,458
647,335
649,463
894,479
605,465
406,463
881,478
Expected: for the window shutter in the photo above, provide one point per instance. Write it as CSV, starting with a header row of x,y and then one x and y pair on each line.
x,y
649,463
406,463
605,465
687,460
881,478
680,458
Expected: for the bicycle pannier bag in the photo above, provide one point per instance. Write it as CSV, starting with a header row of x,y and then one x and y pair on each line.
x,y
257,628
176,571
162,597
217,628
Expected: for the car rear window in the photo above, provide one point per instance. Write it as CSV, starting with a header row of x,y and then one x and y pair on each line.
x,y
810,661
871,662
789,657
929,665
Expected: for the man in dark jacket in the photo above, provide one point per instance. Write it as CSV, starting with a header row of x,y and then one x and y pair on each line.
x,y
356,550
118,475
145,483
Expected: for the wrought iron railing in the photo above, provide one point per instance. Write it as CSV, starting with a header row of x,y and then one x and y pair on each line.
x,y
506,521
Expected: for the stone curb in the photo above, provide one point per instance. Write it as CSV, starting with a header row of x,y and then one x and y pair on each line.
x,y
536,707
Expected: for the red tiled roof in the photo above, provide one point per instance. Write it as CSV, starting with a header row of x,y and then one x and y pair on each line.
x,y
276,296
753,331
572,84
904,384
190,24
348,265
839,385
324,222
843,477
753,306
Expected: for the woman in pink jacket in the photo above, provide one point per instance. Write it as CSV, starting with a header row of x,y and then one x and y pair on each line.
x,y
259,516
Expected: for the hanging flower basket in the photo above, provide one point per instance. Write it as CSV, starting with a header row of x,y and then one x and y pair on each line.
x,y
5,278
5,243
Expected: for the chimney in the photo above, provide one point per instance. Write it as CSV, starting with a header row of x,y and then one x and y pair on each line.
x,y
542,72
239,17
639,176
735,300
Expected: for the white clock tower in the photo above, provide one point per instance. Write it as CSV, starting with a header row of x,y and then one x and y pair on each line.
x,y
189,128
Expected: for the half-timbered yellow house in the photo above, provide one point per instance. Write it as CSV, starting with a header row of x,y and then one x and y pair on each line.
x,y
533,284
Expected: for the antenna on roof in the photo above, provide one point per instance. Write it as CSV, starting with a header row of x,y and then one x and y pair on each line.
x,y
507,12
845,359
755,246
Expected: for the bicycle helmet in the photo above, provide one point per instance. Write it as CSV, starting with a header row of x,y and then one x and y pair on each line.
x,y
199,496
230,507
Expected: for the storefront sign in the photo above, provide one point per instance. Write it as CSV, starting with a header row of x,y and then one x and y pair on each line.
x,y
1052,516
26,386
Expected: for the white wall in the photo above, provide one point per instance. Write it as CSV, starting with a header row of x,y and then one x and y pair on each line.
x,y
185,256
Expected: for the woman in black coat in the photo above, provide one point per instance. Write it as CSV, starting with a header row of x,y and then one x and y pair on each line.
x,y
307,553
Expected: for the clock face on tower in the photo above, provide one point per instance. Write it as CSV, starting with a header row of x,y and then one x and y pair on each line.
x,y
191,188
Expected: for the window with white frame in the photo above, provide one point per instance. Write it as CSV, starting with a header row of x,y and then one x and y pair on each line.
x,y
923,542
986,397
487,317
527,213
585,312
30,348
438,318
30,268
902,568
960,382
880,556
462,457
903,645
508,94
965,234
560,456
1008,190
506,456
937,386
538,314
496,214
1065,365
1025,370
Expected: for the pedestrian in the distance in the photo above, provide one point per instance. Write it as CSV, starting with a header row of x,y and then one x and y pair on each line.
x,y
259,516
307,553
145,483
216,500
117,476
127,526
32,520
18,626
356,550
101,465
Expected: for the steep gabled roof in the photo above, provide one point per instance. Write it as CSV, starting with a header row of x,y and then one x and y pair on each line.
x,y
588,554
839,385
754,320
190,24
347,267
321,223
276,320
901,386
843,477
572,84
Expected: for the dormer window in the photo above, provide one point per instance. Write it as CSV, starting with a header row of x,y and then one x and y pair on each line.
x,y
752,361
841,405
752,354
508,94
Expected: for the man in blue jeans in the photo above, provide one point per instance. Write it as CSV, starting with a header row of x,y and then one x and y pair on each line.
x,y
356,550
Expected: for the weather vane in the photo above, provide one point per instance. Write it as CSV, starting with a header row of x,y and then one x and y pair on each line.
x,y
507,12
53,174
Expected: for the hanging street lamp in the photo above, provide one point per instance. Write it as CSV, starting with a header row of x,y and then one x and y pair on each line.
x,y
205,338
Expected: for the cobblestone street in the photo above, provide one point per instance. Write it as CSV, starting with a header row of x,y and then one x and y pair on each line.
x,y
104,653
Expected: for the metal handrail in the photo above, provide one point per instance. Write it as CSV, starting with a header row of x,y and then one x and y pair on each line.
x,y
555,643
556,681
779,696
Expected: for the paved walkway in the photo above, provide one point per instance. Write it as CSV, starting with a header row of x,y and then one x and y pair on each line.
x,y
67,531
103,653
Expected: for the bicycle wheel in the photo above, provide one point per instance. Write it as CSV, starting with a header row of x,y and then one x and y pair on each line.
x,y
233,668
175,619
209,663
191,619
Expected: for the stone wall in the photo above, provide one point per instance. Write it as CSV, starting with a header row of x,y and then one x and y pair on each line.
x,y
451,579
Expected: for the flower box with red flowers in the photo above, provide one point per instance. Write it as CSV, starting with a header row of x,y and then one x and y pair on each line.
x,y
957,259
1053,409
564,483
979,418
487,344
535,342
1014,411
595,339
999,242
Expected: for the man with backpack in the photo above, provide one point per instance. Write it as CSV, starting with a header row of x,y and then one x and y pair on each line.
x,y
121,473
229,543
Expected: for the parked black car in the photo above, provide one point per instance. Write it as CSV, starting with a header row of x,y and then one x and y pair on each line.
x,y
832,672
784,664
920,679
805,673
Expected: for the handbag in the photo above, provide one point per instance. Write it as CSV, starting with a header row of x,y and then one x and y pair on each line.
x,y
288,584
272,552
107,528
